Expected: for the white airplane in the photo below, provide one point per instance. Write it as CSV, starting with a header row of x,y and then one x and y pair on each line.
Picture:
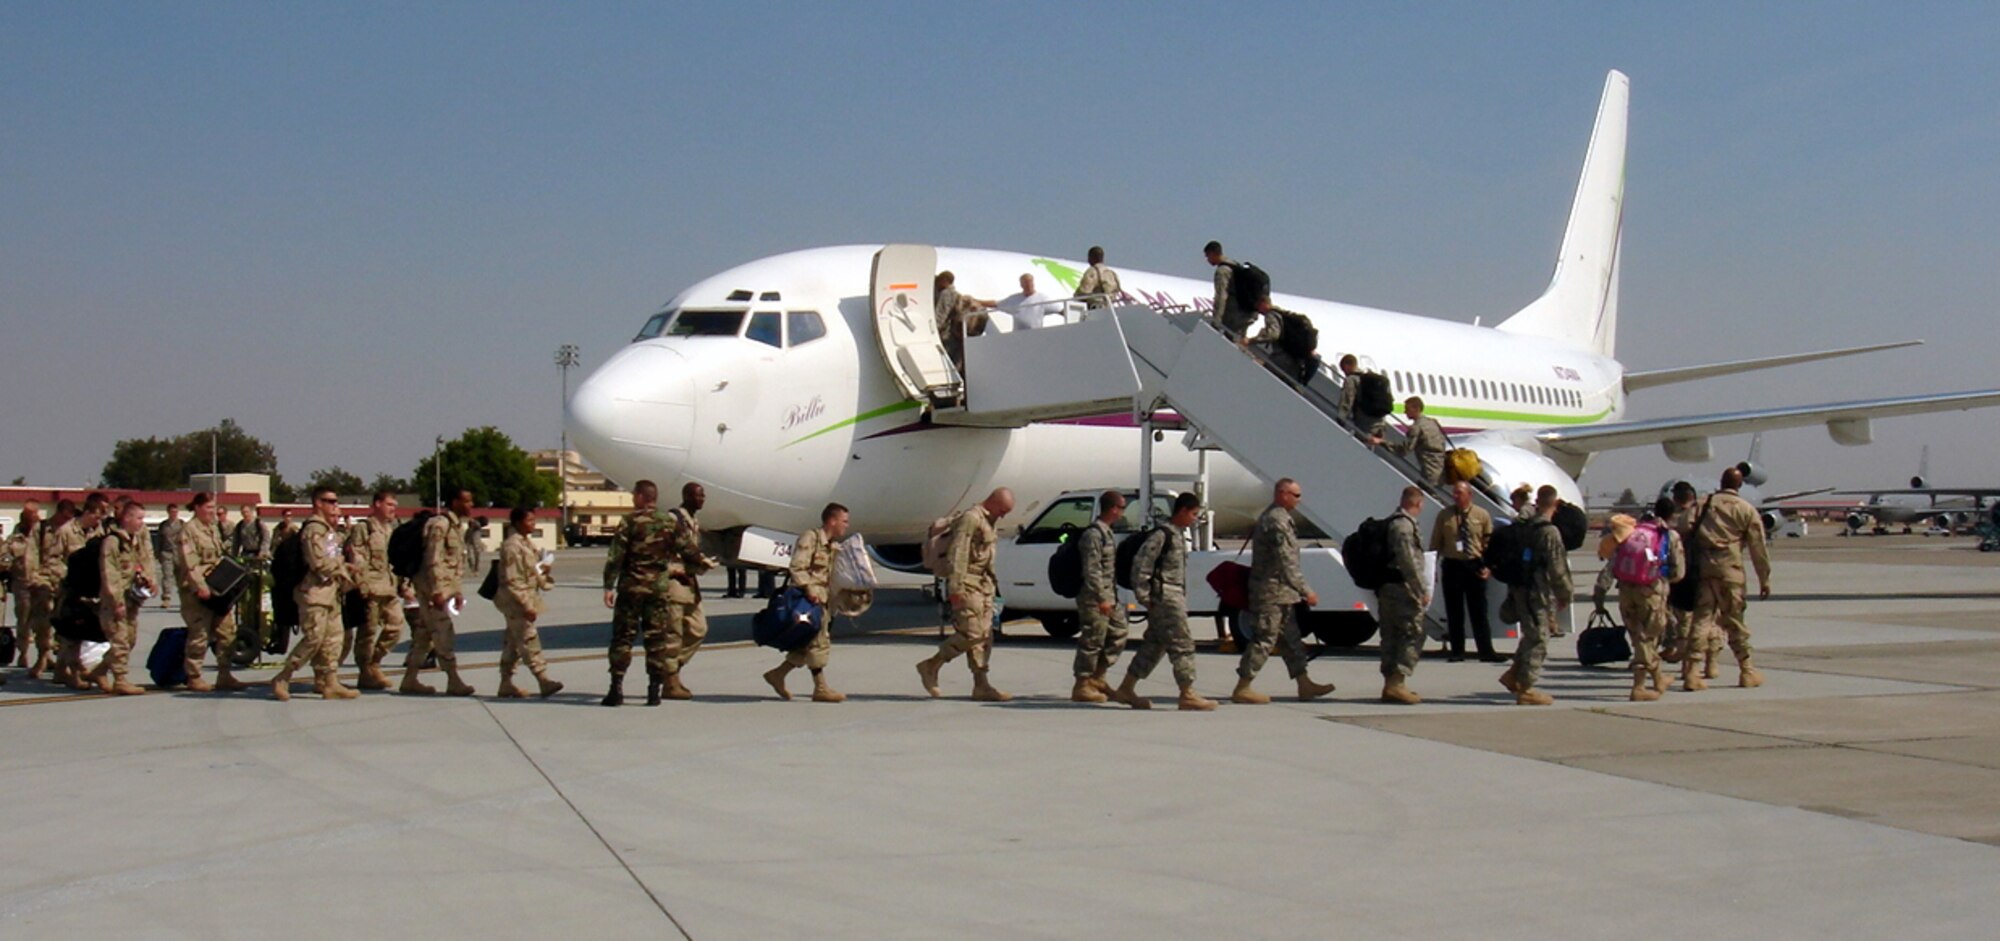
x,y
1949,509
776,386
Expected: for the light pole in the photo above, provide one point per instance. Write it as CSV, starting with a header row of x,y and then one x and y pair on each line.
x,y
437,474
566,356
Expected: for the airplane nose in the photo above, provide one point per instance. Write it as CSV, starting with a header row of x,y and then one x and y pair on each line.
x,y
633,418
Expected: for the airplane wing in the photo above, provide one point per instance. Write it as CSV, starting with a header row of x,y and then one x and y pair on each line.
x,y
1776,499
1924,492
1685,439
1634,381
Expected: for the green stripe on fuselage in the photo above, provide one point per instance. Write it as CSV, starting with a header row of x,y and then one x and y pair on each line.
x,y
891,409
1525,418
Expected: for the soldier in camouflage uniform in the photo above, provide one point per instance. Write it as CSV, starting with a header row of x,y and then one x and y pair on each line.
x,y
970,584
1159,581
635,576
1538,602
60,542
1729,527
1277,585
1103,625
1402,601
812,573
685,566
522,580
30,595
382,593
438,587
199,551
166,548
327,577
1425,442
127,564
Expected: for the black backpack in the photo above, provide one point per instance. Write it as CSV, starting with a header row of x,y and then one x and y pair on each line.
x,y
1248,284
1128,553
1298,338
85,576
1376,399
1573,523
1511,556
288,564
1066,566
406,545
1365,553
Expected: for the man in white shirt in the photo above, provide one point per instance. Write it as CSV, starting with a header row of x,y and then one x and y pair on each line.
x,y
1029,306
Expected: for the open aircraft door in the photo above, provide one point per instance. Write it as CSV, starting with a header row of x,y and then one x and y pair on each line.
x,y
906,323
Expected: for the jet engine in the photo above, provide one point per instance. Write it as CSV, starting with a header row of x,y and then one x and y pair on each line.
x,y
1753,474
1857,521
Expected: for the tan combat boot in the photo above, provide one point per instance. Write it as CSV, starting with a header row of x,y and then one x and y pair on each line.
x,y
1659,681
1097,683
1397,691
1640,691
548,686
124,687
195,684
508,690
674,688
1127,693
776,677
927,673
41,666
983,690
1086,691
1691,674
1192,701
824,692
1248,696
226,681
281,686
1507,681
1713,665
372,677
1750,678
413,684
331,688
1309,690
454,686
1532,697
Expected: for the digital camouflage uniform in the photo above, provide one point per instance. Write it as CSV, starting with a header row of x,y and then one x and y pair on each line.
x,y
318,596
1159,582
969,575
636,569
1401,601
1102,637
1277,584
812,573
1536,603
1230,312
368,550
522,582
442,573
685,566
126,560
1732,525
166,548
199,551
1426,444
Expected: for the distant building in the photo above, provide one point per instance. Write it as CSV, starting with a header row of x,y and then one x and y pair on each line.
x,y
595,503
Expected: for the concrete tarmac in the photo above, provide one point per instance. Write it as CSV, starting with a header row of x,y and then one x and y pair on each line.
x,y
1855,795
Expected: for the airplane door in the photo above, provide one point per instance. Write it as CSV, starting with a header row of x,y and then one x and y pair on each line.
x,y
906,323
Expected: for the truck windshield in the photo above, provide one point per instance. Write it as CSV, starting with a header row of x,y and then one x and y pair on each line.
x,y
1072,514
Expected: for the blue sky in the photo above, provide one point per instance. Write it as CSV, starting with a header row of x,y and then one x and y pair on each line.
x,y
353,227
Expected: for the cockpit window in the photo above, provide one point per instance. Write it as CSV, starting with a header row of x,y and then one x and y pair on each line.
x,y
804,326
655,325
765,327
706,323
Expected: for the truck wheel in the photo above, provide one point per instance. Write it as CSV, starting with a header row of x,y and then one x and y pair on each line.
x,y
1060,626
1339,628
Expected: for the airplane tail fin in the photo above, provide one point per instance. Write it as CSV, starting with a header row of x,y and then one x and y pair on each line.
x,y
1581,304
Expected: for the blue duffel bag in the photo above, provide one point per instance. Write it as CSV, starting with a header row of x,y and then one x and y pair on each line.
x,y
168,661
789,622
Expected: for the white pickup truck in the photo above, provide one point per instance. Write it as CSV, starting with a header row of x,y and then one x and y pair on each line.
x,y
1342,617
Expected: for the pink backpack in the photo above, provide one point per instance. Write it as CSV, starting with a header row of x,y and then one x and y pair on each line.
x,y
1639,557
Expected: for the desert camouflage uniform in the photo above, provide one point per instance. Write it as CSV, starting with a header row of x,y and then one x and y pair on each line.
x,y
1732,526
368,550
442,573
522,582
126,561
198,551
969,575
812,573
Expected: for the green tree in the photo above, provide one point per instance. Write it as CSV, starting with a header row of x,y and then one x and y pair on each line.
x,y
489,464
341,481
389,482
167,463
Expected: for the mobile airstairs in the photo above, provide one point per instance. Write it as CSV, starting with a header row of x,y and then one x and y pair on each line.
x,y
1236,401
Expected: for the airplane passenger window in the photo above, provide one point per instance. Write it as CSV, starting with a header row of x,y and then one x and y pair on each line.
x,y
804,326
655,325
706,323
766,328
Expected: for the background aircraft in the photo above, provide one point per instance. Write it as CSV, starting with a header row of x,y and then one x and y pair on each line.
x,y
1953,509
